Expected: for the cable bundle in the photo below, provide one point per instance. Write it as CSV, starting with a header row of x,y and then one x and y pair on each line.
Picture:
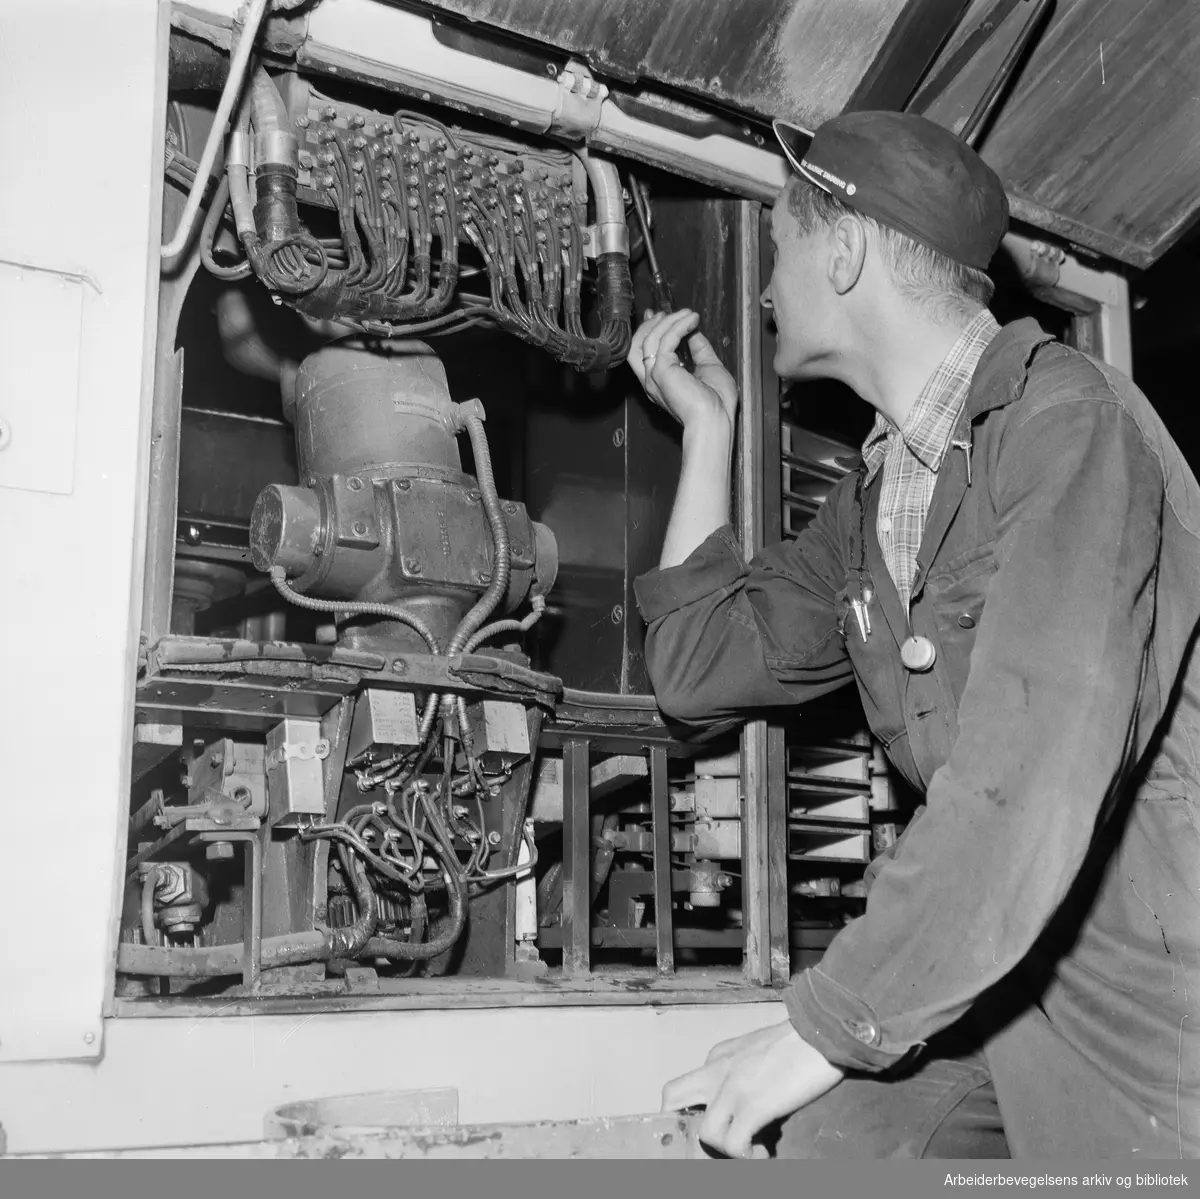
x,y
406,194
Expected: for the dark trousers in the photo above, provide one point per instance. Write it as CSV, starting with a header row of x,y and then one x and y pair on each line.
x,y
945,1108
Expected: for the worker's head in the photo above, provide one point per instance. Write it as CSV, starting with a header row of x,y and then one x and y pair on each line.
x,y
886,212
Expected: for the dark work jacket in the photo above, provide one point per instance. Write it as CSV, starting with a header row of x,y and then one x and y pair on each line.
x,y
1049,890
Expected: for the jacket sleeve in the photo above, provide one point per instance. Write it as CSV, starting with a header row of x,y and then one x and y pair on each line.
x,y
723,637
1046,727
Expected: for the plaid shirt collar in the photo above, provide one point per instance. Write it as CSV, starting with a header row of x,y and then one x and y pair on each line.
x,y
931,420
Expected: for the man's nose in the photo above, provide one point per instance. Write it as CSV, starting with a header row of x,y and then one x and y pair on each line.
x,y
765,298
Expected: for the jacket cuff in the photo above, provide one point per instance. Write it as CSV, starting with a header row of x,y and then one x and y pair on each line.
x,y
714,564
839,1025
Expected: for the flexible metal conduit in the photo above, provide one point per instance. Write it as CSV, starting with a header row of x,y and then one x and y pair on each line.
x,y
229,95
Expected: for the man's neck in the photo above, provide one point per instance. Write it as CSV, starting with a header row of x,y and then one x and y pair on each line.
x,y
894,357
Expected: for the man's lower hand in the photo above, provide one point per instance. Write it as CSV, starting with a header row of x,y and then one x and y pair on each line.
x,y
750,1081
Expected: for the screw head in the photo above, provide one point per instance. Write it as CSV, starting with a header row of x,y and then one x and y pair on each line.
x,y
360,528
493,838
413,566
89,1038
219,851
354,483
617,614
403,484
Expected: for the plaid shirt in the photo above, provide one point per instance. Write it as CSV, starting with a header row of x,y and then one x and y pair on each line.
x,y
912,455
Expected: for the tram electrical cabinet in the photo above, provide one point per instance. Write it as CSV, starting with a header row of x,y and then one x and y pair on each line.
x,y
392,718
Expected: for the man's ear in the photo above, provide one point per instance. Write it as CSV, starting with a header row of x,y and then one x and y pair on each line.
x,y
847,252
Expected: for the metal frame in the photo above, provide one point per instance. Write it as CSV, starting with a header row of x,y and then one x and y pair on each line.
x,y
764,810
1097,299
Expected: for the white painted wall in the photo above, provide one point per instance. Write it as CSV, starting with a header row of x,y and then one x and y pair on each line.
x,y
174,1082
81,113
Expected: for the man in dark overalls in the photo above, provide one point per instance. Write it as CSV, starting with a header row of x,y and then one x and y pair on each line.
x,y
1012,579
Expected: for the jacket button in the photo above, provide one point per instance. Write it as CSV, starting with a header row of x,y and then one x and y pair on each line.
x,y
966,621
862,1030
918,654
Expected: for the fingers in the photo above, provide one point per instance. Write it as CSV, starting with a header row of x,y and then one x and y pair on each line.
x,y
702,352
636,354
730,1122
663,341
693,1089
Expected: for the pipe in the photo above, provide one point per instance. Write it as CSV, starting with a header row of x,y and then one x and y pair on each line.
x,y
229,95
501,561
614,285
613,233
279,578
509,626
241,344
208,234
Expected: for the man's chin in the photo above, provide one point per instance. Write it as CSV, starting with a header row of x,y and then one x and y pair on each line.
x,y
789,370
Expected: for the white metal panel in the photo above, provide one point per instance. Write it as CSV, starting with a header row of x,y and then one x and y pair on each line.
x,y
41,316
90,203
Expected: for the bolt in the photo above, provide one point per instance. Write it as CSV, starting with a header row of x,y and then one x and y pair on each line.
x,y
618,437
329,112
493,838
493,791
354,483
89,1038
400,666
360,528
413,566
357,121
216,758
193,535
403,484
474,496
482,576
510,508
219,851
617,615
243,796
460,811
302,122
